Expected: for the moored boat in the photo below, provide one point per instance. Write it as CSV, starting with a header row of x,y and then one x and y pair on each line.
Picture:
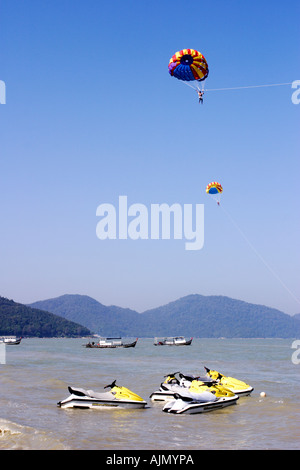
x,y
111,343
173,341
10,339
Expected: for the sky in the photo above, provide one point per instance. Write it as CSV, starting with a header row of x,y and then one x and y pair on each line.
x,y
91,113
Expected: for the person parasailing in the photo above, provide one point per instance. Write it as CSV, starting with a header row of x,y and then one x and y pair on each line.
x,y
189,66
215,190
200,94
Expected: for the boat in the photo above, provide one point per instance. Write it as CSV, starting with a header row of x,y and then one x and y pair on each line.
x,y
188,386
181,404
111,343
10,339
116,397
173,341
237,386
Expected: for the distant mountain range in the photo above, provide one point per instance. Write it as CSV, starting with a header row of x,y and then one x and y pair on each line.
x,y
193,315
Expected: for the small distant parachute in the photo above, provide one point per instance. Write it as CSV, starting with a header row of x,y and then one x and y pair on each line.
x,y
188,65
215,190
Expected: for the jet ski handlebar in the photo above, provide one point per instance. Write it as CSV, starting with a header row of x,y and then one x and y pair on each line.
x,y
208,371
189,377
112,385
172,375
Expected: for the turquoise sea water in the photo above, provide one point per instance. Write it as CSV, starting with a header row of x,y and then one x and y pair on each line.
x,y
37,372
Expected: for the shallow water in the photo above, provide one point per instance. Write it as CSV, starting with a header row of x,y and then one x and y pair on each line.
x,y
38,371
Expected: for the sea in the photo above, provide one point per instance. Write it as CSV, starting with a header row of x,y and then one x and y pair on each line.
x,y
35,376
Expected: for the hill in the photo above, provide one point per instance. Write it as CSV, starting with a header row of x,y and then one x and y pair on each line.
x,y
194,315
21,320
219,316
107,321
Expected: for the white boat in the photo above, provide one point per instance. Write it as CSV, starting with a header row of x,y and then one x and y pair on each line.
x,y
111,343
10,340
172,341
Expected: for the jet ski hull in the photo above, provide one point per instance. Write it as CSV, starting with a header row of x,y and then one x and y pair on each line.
x,y
243,392
179,406
162,396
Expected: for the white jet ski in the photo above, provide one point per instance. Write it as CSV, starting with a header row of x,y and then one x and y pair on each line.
x,y
117,397
188,386
182,404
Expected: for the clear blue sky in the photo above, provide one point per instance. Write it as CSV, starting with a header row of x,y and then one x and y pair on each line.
x,y
91,113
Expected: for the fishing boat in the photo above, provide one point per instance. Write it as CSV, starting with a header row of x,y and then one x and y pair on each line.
x,y
111,343
10,340
173,341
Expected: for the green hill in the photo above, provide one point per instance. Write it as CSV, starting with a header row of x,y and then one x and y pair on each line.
x,y
193,315
107,321
21,320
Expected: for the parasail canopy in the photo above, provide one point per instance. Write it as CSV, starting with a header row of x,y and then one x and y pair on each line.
x,y
214,188
188,64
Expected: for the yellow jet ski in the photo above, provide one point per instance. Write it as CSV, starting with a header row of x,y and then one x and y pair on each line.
x,y
197,386
117,397
190,395
236,386
188,386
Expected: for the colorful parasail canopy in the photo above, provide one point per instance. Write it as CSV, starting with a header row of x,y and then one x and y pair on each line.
x,y
214,188
187,65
